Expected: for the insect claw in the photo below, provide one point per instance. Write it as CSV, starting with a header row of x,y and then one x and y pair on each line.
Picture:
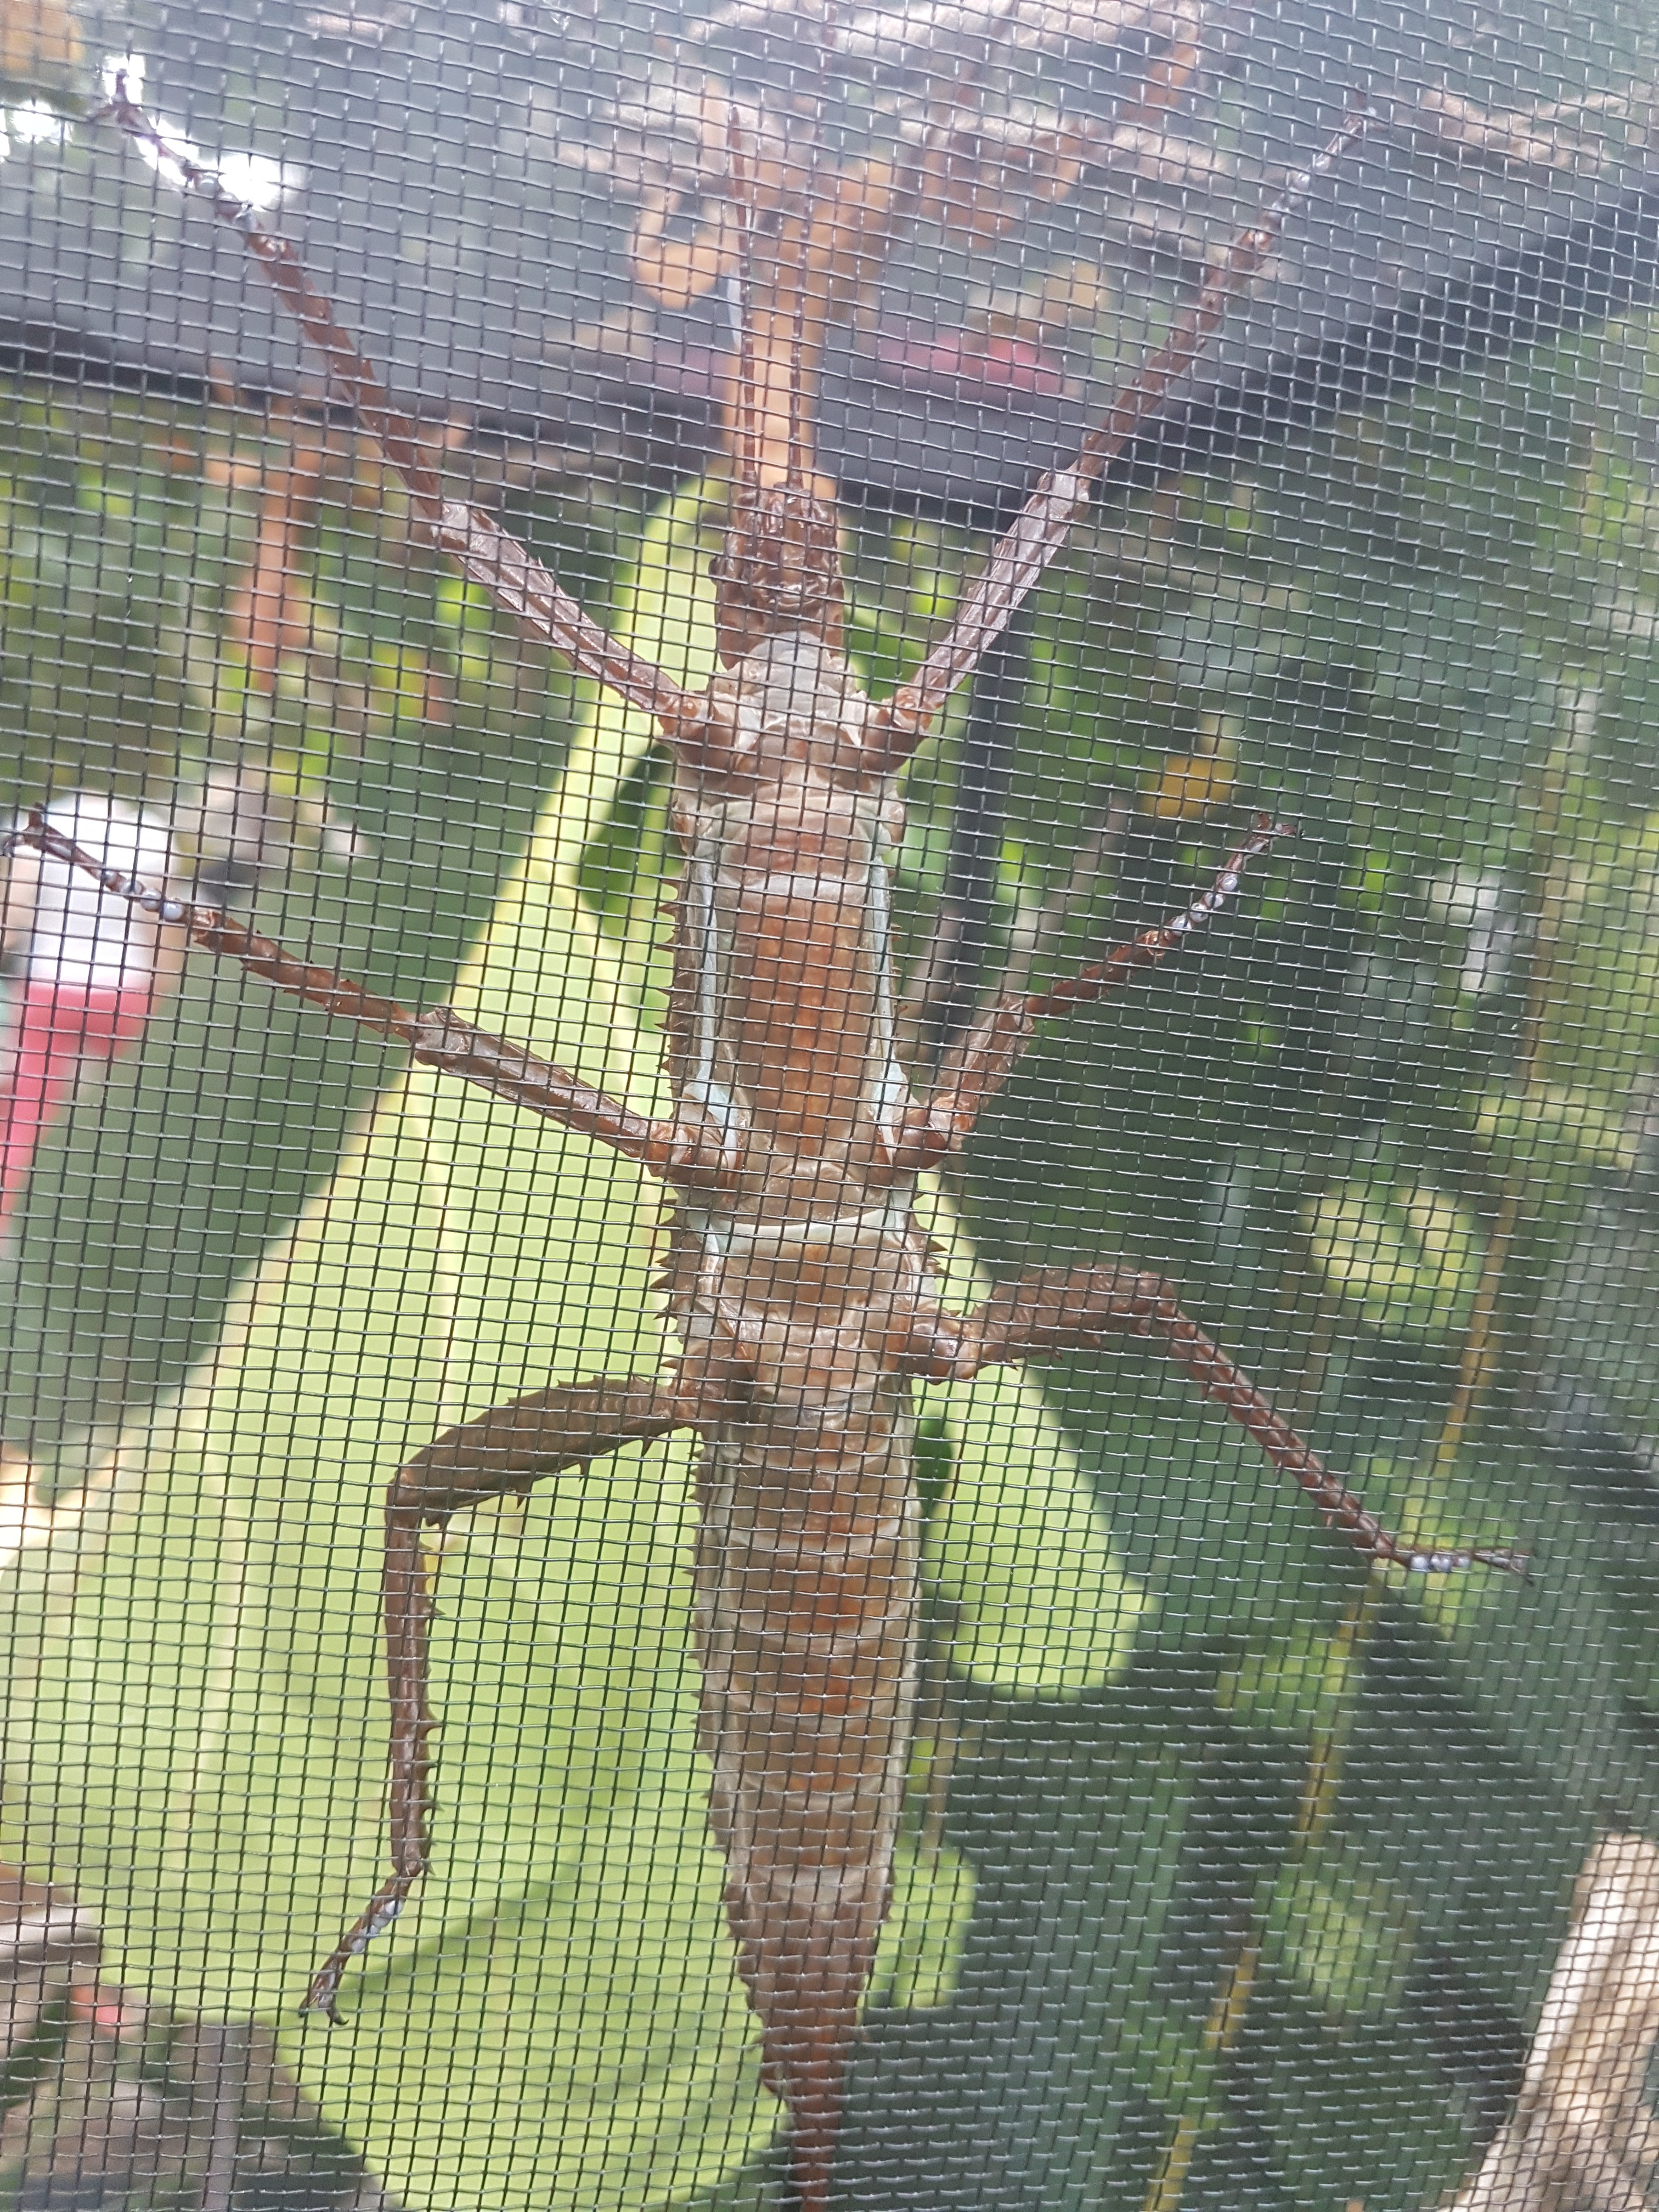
x,y
324,1997
1508,1562
324,1994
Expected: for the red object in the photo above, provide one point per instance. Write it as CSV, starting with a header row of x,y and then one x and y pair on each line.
x,y
979,366
57,1029
969,365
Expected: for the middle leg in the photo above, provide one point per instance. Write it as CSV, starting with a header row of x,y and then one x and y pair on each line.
x,y
437,1037
978,1067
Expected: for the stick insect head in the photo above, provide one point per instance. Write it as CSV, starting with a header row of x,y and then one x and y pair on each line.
x,y
779,575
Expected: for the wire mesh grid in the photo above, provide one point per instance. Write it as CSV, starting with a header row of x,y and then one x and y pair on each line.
x,y
900,1745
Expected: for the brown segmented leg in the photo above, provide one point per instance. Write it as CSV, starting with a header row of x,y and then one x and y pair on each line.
x,y
1040,531
978,1067
506,1450
1055,1311
437,1037
516,579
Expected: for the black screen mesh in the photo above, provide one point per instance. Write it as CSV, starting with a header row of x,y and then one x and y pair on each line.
x,y
1232,1870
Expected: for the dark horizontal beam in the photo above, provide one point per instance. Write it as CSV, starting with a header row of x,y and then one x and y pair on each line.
x,y
894,445
1584,275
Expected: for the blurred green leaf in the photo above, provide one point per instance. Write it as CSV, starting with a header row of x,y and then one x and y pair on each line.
x,y
1345,1935
1554,1129
920,1956
1408,1257
1291,1683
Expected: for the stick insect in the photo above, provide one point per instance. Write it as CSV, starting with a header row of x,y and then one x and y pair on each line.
x,y
801,1285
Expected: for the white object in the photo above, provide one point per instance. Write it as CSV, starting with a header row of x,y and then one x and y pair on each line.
x,y
79,937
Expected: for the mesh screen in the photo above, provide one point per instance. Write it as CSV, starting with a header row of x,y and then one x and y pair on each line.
x,y
1107,1810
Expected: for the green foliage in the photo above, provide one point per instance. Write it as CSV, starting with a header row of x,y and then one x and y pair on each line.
x,y
1344,1936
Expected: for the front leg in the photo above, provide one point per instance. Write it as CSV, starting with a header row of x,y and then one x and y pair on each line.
x,y
1054,1311
504,1451
512,575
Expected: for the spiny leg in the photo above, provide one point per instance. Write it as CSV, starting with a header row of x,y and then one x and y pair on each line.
x,y
977,1068
1054,1311
1039,533
513,576
438,1037
506,1451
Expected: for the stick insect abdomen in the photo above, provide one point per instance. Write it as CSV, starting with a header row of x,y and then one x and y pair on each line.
x,y
806,1605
